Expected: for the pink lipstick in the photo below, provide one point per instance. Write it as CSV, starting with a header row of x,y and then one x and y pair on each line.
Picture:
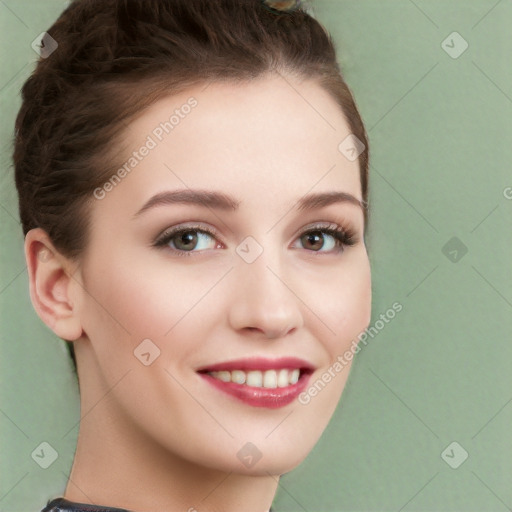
x,y
260,382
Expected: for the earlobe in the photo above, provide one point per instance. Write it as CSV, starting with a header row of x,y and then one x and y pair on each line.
x,y
50,286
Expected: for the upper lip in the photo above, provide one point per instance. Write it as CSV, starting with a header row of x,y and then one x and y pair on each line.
x,y
259,363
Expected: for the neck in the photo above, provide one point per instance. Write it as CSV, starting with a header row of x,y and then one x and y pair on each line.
x,y
116,465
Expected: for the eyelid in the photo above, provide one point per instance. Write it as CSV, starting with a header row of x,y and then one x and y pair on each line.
x,y
345,225
321,225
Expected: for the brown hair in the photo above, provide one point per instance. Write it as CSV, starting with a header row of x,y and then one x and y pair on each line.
x,y
117,57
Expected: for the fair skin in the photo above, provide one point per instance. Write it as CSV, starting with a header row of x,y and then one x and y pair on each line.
x,y
159,436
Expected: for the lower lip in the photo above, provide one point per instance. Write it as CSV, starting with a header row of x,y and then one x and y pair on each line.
x,y
271,398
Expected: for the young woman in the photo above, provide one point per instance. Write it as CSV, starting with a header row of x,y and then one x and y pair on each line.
x,y
192,178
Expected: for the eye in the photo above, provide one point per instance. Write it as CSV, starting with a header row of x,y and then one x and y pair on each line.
x,y
183,240
335,238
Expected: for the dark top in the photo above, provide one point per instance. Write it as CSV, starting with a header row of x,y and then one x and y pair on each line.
x,y
63,505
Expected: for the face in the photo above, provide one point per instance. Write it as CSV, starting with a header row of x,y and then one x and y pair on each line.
x,y
210,318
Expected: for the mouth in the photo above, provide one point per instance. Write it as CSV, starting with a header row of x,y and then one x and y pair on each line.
x,y
260,382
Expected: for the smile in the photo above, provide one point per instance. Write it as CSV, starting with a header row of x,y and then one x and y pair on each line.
x,y
260,382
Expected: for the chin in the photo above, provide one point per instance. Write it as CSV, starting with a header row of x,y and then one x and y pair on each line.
x,y
252,459
276,456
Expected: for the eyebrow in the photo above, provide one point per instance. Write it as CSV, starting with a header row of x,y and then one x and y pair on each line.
x,y
220,201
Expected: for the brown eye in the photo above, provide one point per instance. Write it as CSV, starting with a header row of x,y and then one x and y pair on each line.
x,y
328,240
314,239
187,240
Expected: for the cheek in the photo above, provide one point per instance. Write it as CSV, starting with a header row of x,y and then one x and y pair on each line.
x,y
342,305
144,299
135,301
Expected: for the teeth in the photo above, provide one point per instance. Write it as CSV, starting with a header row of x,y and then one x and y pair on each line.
x,y
294,377
270,379
282,379
255,378
224,376
238,377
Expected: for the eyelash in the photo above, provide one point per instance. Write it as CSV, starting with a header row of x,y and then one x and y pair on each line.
x,y
344,237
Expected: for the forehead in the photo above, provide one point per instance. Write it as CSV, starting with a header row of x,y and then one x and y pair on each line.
x,y
273,138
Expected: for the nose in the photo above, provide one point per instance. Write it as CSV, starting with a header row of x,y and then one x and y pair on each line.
x,y
264,301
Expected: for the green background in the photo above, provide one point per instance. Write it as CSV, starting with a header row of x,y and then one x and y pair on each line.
x,y
440,132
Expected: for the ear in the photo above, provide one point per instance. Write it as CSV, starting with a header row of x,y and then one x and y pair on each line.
x,y
51,285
